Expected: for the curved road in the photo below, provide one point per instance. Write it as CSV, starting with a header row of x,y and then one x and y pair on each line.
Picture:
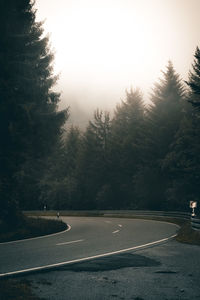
x,y
87,238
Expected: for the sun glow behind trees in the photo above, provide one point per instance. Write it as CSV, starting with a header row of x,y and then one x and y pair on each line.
x,y
103,47
146,158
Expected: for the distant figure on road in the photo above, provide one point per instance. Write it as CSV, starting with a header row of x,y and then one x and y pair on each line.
x,y
58,214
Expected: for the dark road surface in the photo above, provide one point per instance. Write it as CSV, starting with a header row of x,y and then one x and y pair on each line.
x,y
168,271
87,238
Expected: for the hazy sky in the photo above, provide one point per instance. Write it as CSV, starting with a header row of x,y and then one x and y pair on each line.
x,y
103,47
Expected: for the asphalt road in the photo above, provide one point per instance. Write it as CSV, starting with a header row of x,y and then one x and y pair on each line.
x,y
169,271
87,238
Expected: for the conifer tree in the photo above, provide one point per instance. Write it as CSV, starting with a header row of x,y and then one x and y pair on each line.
x,y
183,160
127,138
183,164
162,123
165,113
194,81
29,121
93,164
59,186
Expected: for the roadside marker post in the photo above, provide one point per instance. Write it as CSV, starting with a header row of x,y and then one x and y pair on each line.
x,y
193,205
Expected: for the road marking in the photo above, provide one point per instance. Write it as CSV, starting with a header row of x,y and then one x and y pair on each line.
x,y
71,242
86,258
108,222
38,237
115,231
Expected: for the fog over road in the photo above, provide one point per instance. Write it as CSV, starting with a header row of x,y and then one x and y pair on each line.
x,y
88,237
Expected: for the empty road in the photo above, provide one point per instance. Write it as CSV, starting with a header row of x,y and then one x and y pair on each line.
x,y
86,238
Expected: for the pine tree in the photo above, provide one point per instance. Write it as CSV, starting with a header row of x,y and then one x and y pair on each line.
x,y
183,163
127,138
93,164
29,121
183,160
165,112
194,81
162,123
59,186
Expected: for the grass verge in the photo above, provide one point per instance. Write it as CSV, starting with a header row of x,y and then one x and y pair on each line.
x,y
188,235
32,227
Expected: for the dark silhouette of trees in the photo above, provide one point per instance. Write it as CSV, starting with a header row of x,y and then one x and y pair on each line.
x,y
183,159
194,81
144,157
182,163
162,123
30,123
127,139
59,186
139,159
93,164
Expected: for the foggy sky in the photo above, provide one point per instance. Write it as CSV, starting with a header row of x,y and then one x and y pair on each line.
x,y
103,47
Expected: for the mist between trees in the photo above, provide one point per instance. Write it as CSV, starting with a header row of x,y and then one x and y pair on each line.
x,y
141,158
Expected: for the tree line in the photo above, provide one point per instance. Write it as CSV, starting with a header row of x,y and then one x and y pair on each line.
x,y
143,157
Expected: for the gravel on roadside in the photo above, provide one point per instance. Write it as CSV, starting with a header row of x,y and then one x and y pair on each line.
x,y
170,271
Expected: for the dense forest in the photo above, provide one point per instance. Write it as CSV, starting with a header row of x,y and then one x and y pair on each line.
x,y
143,157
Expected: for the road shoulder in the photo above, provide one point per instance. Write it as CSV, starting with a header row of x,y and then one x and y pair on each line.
x,y
167,271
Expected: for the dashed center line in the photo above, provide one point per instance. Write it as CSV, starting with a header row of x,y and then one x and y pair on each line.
x,y
115,231
71,242
87,258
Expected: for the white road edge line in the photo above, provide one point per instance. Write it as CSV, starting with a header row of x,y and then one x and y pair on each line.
x,y
38,237
115,231
86,258
71,242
